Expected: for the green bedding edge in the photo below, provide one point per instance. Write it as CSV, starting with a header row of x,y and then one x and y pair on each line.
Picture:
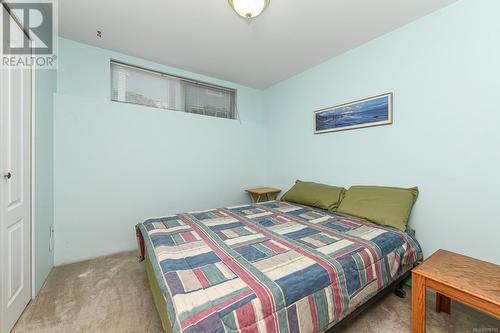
x,y
163,302
160,303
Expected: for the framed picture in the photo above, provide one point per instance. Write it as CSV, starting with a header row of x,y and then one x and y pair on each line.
x,y
371,111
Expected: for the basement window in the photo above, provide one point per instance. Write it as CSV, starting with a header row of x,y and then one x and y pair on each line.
x,y
136,85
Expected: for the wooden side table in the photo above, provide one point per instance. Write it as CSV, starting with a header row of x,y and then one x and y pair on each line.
x,y
468,280
267,193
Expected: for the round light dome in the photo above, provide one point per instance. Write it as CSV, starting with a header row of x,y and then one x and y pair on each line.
x,y
249,9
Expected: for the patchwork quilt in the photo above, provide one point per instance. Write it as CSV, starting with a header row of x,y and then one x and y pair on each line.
x,y
271,267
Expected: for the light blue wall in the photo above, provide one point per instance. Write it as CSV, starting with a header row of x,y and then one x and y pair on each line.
x,y
117,164
44,88
444,70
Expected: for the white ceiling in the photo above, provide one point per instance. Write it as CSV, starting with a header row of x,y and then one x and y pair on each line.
x,y
207,37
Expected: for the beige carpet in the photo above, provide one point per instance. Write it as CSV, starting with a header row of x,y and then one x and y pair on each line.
x,y
111,294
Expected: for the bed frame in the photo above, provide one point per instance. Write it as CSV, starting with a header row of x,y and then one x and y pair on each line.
x,y
396,286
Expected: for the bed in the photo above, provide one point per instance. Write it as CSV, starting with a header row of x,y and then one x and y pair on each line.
x,y
269,267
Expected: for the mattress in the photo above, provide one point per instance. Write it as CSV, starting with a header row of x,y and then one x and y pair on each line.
x,y
269,267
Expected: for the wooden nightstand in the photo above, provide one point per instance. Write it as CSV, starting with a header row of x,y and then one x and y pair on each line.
x,y
267,193
468,280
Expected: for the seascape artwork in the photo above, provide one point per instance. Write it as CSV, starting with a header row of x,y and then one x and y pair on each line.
x,y
373,111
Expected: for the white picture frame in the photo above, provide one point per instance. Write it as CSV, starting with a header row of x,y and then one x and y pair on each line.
x,y
366,112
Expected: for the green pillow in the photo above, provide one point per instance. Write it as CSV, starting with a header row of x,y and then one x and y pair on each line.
x,y
388,206
315,195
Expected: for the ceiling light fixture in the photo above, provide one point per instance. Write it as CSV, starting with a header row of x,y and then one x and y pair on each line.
x,y
249,9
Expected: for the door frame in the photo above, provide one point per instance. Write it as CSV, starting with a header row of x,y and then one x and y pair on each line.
x,y
32,191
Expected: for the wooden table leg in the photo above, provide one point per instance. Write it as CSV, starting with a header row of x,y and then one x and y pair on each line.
x,y
417,303
443,303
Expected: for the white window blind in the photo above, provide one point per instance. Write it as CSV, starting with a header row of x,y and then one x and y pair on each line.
x,y
135,85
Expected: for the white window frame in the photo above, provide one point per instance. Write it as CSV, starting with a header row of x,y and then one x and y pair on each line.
x,y
233,112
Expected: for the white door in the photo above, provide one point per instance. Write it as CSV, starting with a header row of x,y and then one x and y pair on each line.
x,y
15,190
